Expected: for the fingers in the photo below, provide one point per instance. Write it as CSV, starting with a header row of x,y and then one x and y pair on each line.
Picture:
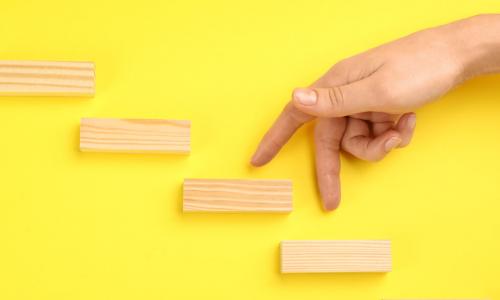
x,y
359,142
327,136
276,137
375,144
337,101
291,119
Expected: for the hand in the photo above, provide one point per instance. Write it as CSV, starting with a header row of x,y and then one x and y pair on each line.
x,y
363,104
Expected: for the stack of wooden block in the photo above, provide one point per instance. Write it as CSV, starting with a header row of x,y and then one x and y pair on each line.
x,y
38,78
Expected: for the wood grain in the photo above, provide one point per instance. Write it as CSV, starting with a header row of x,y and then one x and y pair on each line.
x,y
46,78
237,195
324,256
135,135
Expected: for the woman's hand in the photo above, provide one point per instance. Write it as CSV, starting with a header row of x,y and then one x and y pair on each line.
x,y
364,104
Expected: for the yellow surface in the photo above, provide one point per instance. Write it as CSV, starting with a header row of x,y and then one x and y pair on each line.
x,y
109,226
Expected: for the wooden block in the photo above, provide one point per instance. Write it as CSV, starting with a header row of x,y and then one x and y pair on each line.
x,y
44,78
335,256
237,195
135,135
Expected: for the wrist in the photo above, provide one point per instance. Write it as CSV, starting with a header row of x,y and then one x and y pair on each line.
x,y
477,40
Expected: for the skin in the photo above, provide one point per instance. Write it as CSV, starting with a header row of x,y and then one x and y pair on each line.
x,y
364,104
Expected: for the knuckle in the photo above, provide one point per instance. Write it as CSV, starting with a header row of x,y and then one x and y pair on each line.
x,y
386,95
336,97
328,144
273,146
327,140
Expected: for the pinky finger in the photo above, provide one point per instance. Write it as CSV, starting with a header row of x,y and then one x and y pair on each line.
x,y
406,127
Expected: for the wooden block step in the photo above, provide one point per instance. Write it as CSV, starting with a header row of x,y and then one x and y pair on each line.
x,y
46,78
135,135
323,256
237,195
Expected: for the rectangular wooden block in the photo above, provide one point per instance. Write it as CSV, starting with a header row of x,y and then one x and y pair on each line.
x,y
237,195
324,256
135,135
46,78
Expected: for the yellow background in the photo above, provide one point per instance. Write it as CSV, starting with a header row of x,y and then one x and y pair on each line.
x,y
109,226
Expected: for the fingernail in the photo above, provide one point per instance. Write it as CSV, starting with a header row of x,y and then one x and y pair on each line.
x,y
412,121
305,96
392,143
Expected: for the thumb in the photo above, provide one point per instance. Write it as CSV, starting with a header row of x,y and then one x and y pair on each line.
x,y
336,101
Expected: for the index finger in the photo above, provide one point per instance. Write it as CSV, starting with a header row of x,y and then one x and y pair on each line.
x,y
278,135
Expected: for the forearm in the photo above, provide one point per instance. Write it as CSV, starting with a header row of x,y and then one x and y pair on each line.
x,y
478,39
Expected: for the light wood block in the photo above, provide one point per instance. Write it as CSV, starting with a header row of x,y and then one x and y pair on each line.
x,y
135,135
324,256
46,78
237,195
